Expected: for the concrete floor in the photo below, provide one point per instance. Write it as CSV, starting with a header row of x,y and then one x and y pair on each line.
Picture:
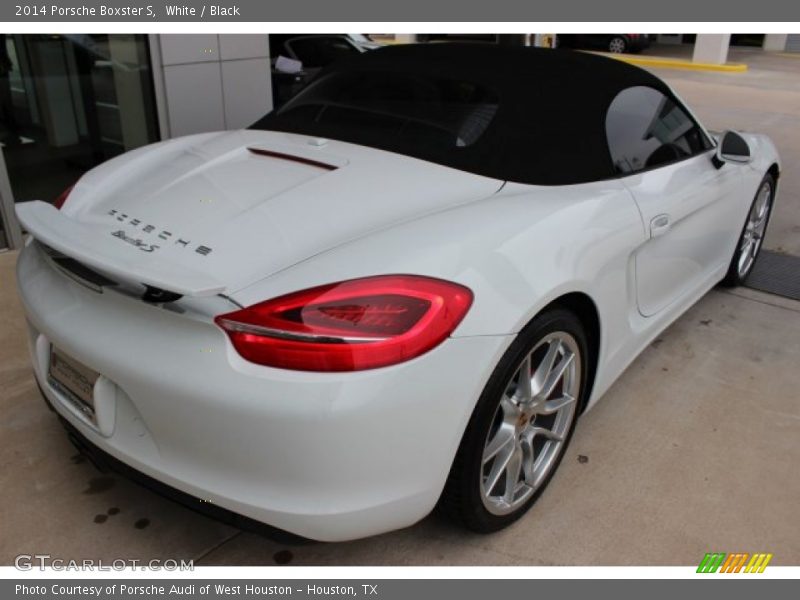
x,y
694,449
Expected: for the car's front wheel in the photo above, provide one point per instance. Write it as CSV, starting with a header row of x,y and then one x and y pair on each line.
x,y
521,425
752,237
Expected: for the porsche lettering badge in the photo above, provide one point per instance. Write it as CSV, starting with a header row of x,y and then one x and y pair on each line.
x,y
149,229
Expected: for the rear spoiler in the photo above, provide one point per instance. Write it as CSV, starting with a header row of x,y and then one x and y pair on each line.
x,y
101,251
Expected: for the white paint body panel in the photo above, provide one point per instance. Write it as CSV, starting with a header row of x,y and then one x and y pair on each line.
x,y
336,456
257,214
701,206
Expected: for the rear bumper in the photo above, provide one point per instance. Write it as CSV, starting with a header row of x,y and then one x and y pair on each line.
x,y
325,456
105,463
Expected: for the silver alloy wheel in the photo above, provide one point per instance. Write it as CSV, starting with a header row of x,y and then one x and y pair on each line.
x,y
616,45
753,235
531,423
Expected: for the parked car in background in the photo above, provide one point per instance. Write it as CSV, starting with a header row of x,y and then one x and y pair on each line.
x,y
617,43
457,37
308,54
363,41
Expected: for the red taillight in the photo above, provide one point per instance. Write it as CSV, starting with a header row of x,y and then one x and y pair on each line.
x,y
349,326
62,197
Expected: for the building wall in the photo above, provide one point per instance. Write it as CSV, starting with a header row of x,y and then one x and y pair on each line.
x,y
774,42
210,82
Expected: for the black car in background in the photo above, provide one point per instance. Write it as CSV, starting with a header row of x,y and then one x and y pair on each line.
x,y
312,52
607,42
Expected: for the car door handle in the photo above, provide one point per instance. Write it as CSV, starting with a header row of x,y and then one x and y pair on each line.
x,y
659,225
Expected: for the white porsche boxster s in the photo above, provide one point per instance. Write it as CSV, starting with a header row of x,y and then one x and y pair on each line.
x,y
401,289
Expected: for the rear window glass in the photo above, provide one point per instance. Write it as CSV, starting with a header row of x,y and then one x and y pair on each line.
x,y
384,109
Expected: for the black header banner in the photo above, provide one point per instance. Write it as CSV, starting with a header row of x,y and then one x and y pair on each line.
x,y
745,12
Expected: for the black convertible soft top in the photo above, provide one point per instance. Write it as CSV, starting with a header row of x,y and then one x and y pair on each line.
x,y
548,126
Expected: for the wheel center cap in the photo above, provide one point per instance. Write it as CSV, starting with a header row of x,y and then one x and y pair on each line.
x,y
522,421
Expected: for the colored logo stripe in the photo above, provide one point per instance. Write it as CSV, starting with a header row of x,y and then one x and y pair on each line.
x,y
734,563
758,563
711,562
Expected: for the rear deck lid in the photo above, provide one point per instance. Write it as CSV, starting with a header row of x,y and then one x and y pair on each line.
x,y
213,213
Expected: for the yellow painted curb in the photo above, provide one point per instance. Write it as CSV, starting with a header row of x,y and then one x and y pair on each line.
x,y
676,63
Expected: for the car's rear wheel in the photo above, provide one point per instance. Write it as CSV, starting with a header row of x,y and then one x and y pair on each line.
x,y
521,425
752,237
617,44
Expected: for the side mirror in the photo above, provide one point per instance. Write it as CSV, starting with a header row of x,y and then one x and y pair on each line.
x,y
732,147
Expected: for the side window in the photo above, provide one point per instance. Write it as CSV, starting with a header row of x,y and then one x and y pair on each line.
x,y
646,129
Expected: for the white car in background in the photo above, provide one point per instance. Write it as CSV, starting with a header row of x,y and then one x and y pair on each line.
x,y
399,290
364,42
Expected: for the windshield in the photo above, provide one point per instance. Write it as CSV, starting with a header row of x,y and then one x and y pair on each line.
x,y
389,110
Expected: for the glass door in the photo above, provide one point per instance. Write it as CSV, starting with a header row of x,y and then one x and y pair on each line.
x,y
10,236
68,103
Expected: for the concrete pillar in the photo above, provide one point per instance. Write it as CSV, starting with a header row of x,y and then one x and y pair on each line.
x,y
125,54
775,42
712,48
10,234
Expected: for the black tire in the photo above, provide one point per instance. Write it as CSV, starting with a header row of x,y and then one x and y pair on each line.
x,y
734,277
462,498
617,44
